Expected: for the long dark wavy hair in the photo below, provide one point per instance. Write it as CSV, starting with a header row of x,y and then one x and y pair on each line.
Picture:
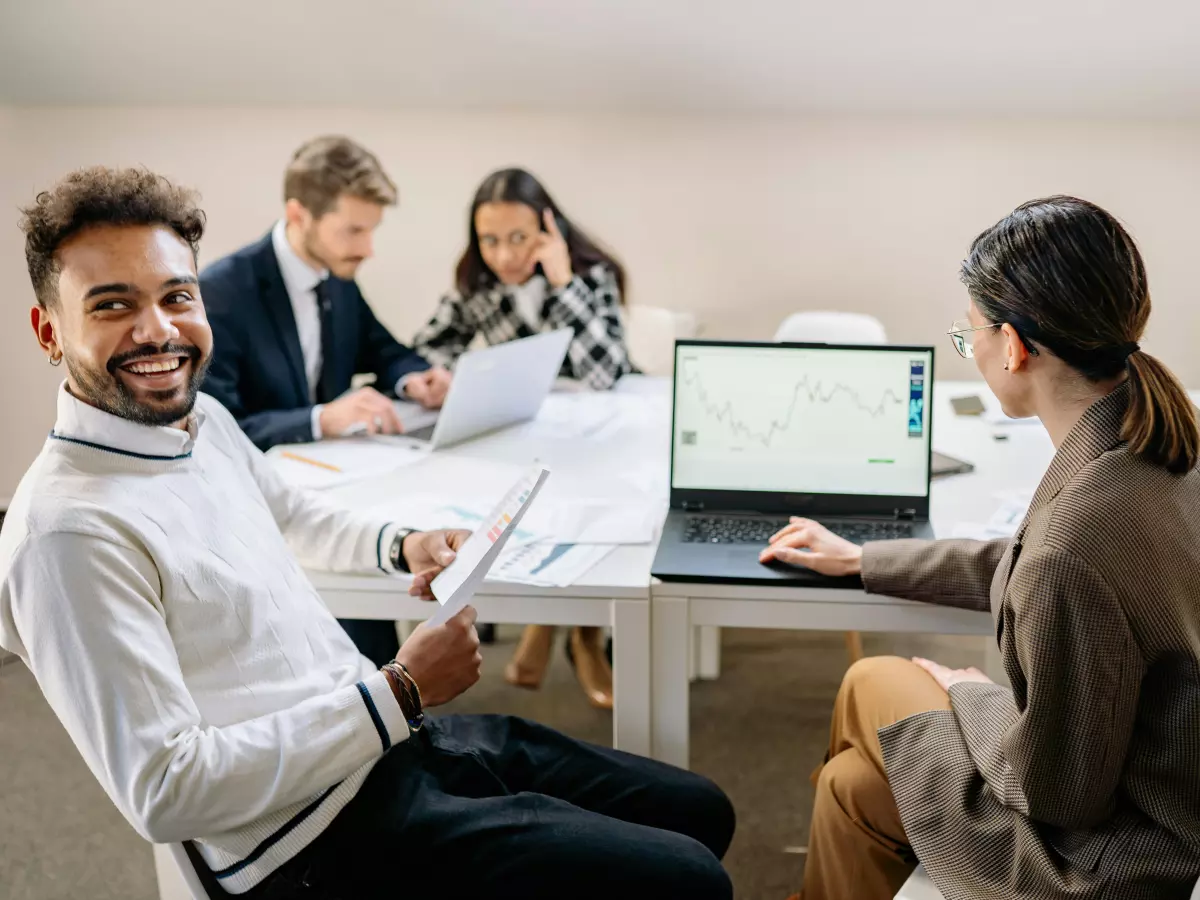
x,y
518,186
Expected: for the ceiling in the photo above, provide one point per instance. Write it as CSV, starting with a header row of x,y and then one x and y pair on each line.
x,y
1081,58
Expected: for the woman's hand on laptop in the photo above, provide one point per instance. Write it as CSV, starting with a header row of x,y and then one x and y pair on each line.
x,y
427,553
806,543
429,387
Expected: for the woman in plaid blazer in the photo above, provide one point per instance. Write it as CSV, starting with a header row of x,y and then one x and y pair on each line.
x,y
527,269
1082,780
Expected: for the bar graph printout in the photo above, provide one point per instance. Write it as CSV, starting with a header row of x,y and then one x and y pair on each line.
x,y
459,581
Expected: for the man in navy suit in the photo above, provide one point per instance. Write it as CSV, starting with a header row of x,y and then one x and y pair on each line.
x,y
291,328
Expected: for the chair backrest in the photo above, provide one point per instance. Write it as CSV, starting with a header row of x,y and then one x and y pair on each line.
x,y
831,327
187,872
919,887
650,334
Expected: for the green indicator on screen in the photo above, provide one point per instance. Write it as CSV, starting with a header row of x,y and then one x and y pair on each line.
x,y
882,462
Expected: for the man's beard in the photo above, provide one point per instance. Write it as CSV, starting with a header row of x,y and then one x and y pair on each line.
x,y
341,268
107,391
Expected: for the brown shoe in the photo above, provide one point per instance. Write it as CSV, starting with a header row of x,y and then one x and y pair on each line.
x,y
586,653
528,664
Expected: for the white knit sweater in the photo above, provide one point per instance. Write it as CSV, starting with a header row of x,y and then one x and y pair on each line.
x,y
146,581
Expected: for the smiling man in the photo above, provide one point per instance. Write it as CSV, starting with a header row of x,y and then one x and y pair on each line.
x,y
150,577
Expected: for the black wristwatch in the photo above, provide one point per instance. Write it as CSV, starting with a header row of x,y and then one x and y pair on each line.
x,y
396,554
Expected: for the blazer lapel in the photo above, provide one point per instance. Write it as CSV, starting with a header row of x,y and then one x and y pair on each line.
x,y
279,308
1097,431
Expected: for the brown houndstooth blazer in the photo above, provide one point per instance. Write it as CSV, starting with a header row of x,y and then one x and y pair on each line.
x,y
1083,780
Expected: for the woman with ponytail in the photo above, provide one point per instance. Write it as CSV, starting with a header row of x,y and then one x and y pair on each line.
x,y
1082,780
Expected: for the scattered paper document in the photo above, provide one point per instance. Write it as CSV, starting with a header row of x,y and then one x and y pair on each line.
x,y
332,463
1004,521
548,564
432,512
604,522
459,581
572,416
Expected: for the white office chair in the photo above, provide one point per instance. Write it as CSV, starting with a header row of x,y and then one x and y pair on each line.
x,y
820,327
650,334
831,327
177,878
919,887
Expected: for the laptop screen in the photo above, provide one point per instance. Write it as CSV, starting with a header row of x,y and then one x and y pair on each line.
x,y
802,419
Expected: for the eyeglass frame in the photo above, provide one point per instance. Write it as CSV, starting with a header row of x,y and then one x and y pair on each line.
x,y
967,351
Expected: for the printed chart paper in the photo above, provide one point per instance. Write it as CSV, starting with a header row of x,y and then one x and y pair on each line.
x,y
459,581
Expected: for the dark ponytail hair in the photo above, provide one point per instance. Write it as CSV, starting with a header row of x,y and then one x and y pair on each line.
x,y
1069,278
518,186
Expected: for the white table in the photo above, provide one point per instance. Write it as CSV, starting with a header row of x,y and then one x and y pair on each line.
x,y
628,457
677,608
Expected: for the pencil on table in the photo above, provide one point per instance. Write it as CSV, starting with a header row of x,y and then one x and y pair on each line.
x,y
312,462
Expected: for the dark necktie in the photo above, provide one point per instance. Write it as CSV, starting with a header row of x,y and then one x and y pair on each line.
x,y
326,390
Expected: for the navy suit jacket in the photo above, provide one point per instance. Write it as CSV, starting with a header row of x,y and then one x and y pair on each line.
x,y
258,368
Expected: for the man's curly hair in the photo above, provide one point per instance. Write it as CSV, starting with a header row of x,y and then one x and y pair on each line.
x,y
101,196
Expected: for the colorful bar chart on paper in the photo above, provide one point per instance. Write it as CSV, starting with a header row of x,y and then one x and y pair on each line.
x,y
458,582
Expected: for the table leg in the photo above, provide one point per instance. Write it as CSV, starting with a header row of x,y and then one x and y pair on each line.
x,y
631,676
671,631
708,652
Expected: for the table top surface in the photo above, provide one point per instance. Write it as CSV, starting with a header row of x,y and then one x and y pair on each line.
x,y
629,457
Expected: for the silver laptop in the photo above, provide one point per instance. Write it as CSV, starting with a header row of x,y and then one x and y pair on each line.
x,y
493,387
840,434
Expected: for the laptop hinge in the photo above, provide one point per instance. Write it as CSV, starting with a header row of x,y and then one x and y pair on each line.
x,y
904,515
692,505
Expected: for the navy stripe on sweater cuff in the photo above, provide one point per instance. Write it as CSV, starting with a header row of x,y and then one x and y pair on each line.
x,y
375,719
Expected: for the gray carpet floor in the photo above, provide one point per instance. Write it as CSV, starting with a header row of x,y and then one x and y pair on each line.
x,y
757,731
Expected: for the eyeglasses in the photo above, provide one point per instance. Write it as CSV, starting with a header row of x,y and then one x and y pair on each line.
x,y
961,335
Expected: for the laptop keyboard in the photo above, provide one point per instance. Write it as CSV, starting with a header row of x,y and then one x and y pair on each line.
x,y
744,530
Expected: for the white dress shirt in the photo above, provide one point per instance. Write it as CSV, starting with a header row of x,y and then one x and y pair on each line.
x,y
301,281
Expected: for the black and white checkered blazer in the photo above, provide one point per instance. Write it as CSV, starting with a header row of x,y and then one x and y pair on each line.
x,y
1083,779
589,305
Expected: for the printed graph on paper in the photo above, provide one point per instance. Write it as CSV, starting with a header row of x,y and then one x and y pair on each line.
x,y
801,420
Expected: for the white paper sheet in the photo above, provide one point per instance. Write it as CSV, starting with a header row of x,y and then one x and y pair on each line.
x,y
548,564
459,581
431,512
1004,521
328,464
572,416
602,522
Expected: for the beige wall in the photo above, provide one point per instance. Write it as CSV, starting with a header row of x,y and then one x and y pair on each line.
x,y
739,221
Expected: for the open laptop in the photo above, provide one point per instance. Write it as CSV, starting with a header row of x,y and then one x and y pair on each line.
x,y
493,387
761,432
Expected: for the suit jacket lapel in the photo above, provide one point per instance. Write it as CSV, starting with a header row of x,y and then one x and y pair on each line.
x,y
279,307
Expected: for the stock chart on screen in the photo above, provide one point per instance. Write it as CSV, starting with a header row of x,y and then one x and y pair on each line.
x,y
801,419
